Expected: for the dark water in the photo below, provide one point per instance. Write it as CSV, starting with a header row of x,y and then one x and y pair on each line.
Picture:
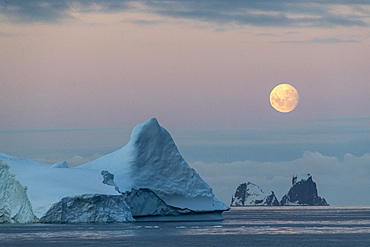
x,y
253,226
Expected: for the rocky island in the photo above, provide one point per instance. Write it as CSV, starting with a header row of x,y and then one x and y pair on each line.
x,y
302,193
250,194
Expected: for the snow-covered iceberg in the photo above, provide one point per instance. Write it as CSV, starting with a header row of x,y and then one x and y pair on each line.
x,y
147,178
47,184
152,161
250,194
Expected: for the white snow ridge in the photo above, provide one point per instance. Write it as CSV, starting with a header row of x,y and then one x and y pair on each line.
x,y
146,180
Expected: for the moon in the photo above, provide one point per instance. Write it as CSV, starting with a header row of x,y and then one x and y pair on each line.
x,y
284,98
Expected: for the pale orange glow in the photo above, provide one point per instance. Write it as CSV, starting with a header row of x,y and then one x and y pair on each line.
x,y
284,98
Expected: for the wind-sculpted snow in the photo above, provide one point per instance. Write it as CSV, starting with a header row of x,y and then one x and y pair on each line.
x,y
151,160
14,204
89,209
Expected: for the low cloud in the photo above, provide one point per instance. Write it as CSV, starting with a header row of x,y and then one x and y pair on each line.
x,y
340,182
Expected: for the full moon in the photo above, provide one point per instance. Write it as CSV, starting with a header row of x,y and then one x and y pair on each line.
x,y
284,98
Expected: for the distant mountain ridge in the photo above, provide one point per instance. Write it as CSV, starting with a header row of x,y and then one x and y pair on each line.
x,y
303,192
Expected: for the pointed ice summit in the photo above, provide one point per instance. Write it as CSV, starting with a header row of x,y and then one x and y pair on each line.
x,y
250,194
152,161
146,180
303,193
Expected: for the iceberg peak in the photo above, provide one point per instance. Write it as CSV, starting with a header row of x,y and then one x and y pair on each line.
x,y
151,160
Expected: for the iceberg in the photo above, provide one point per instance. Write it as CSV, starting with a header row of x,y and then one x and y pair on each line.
x,y
145,180
152,161
89,209
14,204
48,184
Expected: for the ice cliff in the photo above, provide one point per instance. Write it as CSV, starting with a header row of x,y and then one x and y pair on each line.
x,y
303,193
14,204
250,194
89,209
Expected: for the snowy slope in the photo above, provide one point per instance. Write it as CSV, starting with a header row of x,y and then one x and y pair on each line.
x,y
250,194
47,185
151,160
149,171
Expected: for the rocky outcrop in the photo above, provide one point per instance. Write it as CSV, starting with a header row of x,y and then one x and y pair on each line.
x,y
303,193
249,194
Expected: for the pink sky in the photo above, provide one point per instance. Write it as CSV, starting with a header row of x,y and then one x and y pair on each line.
x,y
76,77
103,70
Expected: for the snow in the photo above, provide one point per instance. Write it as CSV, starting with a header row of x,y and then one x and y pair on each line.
x,y
62,164
252,196
148,174
300,177
47,185
151,160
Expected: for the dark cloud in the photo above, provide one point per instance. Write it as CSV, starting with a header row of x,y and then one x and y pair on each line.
x,y
54,11
35,10
310,13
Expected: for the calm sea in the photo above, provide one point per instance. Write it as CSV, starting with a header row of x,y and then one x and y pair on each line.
x,y
252,226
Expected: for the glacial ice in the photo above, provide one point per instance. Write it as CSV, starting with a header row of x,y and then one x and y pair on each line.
x,y
151,160
62,164
14,204
47,185
95,208
145,180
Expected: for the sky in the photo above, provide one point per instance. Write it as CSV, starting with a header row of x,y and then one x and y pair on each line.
x,y
76,76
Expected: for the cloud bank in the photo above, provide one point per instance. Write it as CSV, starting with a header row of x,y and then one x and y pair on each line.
x,y
271,13
340,182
